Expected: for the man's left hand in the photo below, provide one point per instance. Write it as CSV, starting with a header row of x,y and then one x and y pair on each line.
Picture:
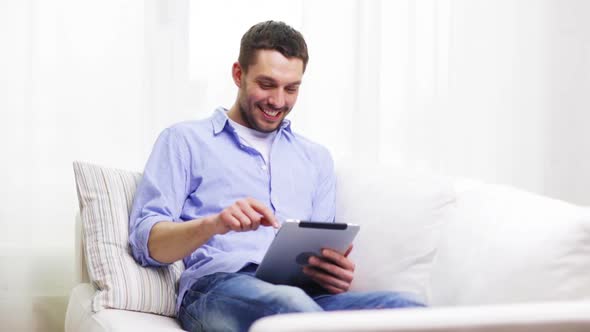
x,y
333,271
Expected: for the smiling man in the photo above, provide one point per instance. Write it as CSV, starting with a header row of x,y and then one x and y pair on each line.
x,y
268,89
213,192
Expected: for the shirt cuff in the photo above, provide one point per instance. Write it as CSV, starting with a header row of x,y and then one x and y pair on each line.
x,y
139,241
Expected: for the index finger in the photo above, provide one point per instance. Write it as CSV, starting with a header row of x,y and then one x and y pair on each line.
x,y
268,217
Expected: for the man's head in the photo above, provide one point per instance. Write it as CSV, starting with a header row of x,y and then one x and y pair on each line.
x,y
272,35
272,59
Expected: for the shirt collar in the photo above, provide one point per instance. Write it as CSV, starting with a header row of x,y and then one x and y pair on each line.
x,y
219,121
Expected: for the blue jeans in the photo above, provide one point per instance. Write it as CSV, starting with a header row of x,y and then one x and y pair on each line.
x,y
233,301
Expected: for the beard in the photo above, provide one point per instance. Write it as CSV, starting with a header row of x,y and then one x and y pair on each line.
x,y
248,115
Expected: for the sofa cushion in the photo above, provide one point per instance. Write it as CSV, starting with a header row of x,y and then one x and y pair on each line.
x,y
507,245
125,321
105,197
523,317
401,214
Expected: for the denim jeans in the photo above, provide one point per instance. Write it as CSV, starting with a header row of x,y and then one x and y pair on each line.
x,y
233,301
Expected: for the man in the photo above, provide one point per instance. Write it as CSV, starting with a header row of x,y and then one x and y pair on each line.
x,y
214,191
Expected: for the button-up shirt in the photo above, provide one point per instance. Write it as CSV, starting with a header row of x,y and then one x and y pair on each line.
x,y
198,168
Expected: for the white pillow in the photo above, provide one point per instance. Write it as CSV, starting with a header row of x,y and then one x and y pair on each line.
x,y
105,197
401,214
506,245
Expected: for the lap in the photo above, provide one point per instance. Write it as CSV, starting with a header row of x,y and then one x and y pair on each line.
x,y
233,301
366,300
243,287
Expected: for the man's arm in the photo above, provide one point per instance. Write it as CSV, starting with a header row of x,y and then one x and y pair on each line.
x,y
170,241
157,236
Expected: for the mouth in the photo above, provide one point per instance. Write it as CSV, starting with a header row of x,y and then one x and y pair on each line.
x,y
271,115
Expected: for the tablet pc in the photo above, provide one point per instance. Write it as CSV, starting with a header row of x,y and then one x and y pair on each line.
x,y
295,242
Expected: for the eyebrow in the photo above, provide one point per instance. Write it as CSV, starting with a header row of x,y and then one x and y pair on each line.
x,y
270,79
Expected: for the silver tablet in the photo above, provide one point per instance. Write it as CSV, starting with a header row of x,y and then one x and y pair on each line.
x,y
295,242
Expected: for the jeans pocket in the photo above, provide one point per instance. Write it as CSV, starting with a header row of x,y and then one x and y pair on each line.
x,y
188,321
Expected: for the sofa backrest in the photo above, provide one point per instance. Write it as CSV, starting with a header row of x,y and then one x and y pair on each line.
x,y
402,214
453,242
506,245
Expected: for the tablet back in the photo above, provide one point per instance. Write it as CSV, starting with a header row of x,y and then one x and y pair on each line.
x,y
295,242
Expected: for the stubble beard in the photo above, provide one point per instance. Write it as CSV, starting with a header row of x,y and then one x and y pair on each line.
x,y
247,114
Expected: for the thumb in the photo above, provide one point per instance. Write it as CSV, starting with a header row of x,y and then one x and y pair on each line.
x,y
348,250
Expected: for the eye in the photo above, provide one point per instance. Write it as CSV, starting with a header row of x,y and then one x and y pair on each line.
x,y
292,89
265,85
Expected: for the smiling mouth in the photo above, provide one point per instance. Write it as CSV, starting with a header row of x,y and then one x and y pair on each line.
x,y
271,115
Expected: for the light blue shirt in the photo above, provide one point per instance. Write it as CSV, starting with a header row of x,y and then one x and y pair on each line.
x,y
198,168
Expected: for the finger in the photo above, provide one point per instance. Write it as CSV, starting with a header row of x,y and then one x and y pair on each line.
x,y
330,288
338,259
255,224
333,290
348,250
229,221
254,216
326,280
245,222
268,218
329,267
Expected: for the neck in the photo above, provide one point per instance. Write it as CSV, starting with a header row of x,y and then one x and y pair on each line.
x,y
235,115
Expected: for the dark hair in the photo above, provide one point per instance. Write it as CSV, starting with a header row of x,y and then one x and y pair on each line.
x,y
272,35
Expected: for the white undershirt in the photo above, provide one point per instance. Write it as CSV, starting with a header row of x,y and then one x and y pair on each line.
x,y
257,140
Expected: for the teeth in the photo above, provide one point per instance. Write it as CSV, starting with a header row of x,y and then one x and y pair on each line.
x,y
271,113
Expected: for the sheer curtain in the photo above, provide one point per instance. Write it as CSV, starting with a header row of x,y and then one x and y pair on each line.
x,y
73,87
483,89
374,66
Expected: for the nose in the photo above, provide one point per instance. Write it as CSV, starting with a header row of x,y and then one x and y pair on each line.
x,y
277,99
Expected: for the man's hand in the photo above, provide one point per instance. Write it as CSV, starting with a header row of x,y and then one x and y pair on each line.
x,y
333,271
244,215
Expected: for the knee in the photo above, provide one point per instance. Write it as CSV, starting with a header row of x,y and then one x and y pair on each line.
x,y
284,299
397,300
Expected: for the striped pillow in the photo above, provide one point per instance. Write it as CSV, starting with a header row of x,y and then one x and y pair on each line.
x,y
105,197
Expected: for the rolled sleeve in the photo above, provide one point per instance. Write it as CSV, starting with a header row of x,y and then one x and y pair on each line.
x,y
160,194
139,242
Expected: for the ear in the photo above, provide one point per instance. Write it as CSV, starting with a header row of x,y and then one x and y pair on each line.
x,y
236,72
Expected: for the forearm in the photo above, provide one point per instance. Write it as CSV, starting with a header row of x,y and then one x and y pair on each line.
x,y
172,241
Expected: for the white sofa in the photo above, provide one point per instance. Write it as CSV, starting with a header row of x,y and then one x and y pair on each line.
x,y
484,257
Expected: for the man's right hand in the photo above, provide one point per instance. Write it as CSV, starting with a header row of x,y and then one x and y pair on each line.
x,y
170,241
244,215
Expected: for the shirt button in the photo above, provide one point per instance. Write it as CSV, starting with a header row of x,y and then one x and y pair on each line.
x,y
263,167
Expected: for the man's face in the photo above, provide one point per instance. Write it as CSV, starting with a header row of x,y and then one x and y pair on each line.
x,y
268,90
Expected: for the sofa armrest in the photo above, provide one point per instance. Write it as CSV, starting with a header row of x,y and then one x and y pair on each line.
x,y
80,318
80,256
539,317
79,313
